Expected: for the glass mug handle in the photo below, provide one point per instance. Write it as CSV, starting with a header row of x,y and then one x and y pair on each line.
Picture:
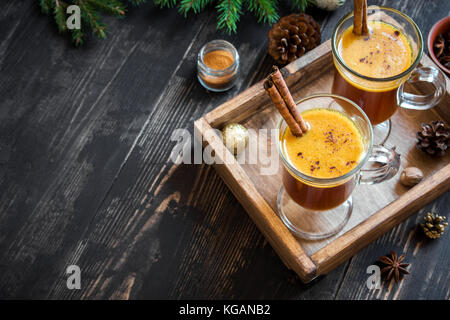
x,y
422,101
382,165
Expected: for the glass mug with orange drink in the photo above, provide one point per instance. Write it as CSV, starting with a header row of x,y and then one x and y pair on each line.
x,y
372,69
322,168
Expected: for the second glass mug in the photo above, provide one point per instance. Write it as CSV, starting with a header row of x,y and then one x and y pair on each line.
x,y
380,97
317,208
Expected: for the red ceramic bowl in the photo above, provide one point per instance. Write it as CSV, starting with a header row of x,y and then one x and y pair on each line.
x,y
440,27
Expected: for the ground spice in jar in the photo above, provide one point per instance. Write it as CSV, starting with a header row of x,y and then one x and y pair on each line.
x,y
218,65
218,59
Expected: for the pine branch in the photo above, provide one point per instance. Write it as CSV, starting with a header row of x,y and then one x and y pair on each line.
x,y
113,7
46,6
165,3
194,5
90,16
59,12
301,4
264,10
77,37
229,13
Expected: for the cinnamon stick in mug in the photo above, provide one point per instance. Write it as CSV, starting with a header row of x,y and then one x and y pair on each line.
x,y
360,17
365,28
282,108
282,87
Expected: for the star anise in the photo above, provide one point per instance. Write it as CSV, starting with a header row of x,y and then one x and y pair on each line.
x,y
394,265
439,46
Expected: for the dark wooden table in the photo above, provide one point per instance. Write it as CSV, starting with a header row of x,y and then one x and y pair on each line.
x,y
85,175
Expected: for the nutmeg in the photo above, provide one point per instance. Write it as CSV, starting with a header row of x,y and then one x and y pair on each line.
x,y
411,176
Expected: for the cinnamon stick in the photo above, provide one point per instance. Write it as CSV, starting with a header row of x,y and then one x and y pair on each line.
x,y
281,97
282,87
360,17
365,28
282,108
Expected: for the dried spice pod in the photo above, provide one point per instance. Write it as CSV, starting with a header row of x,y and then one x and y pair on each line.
x,y
411,176
394,266
441,48
434,138
292,36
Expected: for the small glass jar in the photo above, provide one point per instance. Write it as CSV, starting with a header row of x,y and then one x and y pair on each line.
x,y
217,80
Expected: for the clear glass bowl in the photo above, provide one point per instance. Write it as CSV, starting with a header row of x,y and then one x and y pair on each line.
x,y
217,80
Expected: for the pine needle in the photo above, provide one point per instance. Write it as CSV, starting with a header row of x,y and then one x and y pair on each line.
x,y
301,4
59,12
112,7
264,10
194,5
77,37
91,17
46,6
229,12
165,3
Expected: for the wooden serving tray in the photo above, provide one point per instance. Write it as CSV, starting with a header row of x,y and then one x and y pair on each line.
x,y
377,208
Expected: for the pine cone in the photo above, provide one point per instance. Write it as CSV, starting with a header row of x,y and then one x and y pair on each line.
x,y
292,36
434,138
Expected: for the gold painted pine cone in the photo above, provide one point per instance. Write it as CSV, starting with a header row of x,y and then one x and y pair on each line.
x,y
434,225
292,36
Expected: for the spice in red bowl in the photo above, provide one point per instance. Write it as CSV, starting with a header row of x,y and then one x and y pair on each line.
x,y
441,49
439,44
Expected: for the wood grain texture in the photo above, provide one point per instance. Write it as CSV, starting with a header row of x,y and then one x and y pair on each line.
x,y
85,177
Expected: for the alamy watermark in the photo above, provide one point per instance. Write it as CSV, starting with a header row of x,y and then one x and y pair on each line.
x,y
74,277
374,280
74,19
261,149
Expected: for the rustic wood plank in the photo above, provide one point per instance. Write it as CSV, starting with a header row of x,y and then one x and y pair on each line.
x,y
202,244
141,192
68,137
